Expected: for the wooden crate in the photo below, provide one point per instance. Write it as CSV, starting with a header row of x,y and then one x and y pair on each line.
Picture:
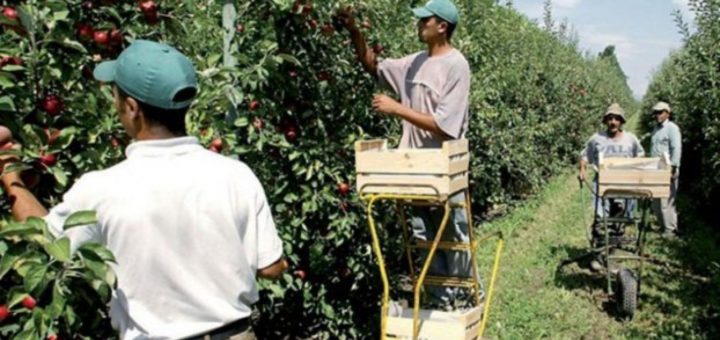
x,y
436,325
438,172
638,175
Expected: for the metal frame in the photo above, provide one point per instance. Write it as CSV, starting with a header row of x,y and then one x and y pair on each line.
x,y
401,201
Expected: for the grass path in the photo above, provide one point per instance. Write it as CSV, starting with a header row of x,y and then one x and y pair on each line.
x,y
534,300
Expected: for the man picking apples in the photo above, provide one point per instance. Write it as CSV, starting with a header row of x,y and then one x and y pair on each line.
x,y
433,86
191,230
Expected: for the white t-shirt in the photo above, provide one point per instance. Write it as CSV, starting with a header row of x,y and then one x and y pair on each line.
x,y
438,85
189,229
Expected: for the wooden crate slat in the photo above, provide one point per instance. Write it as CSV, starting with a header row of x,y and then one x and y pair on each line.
x,y
634,176
458,165
438,172
617,161
454,147
437,324
372,144
458,183
658,191
403,184
405,162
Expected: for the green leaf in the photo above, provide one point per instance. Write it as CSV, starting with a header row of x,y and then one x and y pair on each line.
x,y
80,218
26,19
98,251
27,334
61,15
71,44
35,276
17,229
36,222
15,166
241,122
70,316
16,295
97,266
8,260
60,249
6,82
289,58
6,103
59,174
57,305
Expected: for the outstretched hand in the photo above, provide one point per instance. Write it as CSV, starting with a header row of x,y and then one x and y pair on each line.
x,y
344,18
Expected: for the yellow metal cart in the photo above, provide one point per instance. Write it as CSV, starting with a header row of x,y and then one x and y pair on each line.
x,y
424,177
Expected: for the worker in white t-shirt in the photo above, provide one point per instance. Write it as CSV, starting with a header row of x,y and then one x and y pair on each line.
x,y
191,230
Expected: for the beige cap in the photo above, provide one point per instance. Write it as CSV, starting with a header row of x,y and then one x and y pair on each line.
x,y
615,109
662,106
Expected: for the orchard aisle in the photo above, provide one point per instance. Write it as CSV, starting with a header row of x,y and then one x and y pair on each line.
x,y
533,299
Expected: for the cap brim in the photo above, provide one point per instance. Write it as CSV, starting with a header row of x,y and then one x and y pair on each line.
x,y
422,12
105,71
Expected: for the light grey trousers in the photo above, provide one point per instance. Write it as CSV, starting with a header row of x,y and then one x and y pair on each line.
x,y
664,208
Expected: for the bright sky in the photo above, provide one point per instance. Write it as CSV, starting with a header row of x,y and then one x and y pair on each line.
x,y
643,31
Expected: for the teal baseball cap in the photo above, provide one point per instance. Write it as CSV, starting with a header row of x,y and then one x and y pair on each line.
x,y
444,9
153,73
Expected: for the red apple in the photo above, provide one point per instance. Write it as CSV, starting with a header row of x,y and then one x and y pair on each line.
x,y
4,312
254,105
48,159
239,28
343,188
10,13
52,104
101,38
307,8
85,31
114,142
312,23
300,274
28,302
217,144
151,18
328,29
148,6
8,60
291,134
324,75
116,37
52,337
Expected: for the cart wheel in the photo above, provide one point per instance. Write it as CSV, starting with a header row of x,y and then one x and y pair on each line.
x,y
626,293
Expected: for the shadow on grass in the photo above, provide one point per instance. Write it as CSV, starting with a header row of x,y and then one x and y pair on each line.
x,y
681,300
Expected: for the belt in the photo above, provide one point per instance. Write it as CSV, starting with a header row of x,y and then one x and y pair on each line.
x,y
224,332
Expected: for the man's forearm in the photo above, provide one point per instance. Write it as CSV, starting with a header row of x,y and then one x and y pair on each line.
x,y
424,121
22,202
364,54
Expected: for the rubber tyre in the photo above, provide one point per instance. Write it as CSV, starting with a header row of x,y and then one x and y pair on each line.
x,y
627,293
